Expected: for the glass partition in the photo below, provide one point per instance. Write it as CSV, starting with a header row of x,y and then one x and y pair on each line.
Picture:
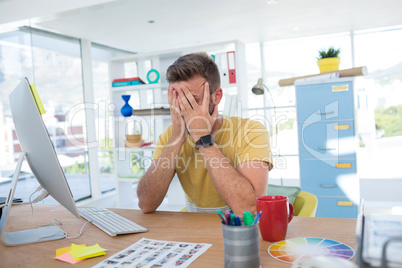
x,y
100,73
53,63
380,102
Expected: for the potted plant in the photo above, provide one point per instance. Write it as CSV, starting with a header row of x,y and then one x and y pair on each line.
x,y
328,60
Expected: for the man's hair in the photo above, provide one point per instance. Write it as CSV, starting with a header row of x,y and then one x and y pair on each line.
x,y
190,65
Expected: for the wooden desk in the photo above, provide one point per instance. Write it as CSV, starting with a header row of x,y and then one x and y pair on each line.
x,y
171,226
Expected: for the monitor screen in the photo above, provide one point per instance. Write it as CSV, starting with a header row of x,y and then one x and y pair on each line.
x,y
35,142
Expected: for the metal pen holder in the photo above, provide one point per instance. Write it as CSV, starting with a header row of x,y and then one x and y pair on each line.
x,y
241,246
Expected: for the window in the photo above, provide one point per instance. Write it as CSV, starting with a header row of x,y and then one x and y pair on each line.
x,y
15,62
379,100
100,73
286,59
53,63
378,96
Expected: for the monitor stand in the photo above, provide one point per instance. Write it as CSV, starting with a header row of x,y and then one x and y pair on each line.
x,y
35,235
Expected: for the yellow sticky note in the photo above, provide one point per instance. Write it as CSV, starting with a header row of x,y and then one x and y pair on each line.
x,y
66,257
82,252
90,256
61,251
37,99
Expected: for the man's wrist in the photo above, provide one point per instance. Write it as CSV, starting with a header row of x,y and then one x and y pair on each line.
x,y
203,149
198,136
205,141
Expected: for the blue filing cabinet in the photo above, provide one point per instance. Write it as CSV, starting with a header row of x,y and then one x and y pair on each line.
x,y
327,145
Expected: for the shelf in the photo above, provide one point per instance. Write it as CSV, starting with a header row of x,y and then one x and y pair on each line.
x,y
137,87
145,148
144,112
357,71
157,111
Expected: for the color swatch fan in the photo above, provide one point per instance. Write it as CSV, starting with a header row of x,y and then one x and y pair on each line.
x,y
307,247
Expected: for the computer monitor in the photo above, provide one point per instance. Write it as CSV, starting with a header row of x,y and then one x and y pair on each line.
x,y
42,159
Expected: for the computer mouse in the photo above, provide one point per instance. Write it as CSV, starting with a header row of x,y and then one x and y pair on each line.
x,y
323,262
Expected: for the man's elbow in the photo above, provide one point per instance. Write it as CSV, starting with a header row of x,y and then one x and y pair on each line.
x,y
245,205
146,208
251,206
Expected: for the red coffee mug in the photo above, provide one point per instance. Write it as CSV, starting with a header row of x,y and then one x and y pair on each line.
x,y
274,216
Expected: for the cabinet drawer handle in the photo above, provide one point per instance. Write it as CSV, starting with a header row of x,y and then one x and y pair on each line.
x,y
331,112
328,185
345,203
326,149
342,127
343,165
340,88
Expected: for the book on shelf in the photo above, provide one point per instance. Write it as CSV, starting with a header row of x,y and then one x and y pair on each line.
x,y
378,228
128,79
121,82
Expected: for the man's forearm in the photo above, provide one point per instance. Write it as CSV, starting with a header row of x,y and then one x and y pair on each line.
x,y
233,187
154,185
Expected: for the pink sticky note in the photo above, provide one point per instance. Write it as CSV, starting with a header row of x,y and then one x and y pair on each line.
x,y
66,257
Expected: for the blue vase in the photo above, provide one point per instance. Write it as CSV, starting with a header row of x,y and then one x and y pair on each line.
x,y
126,110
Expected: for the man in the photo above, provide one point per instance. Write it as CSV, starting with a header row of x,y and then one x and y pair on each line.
x,y
221,162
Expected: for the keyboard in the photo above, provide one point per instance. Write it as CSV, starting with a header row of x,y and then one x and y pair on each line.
x,y
110,222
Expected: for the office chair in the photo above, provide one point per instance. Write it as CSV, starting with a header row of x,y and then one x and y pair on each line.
x,y
305,204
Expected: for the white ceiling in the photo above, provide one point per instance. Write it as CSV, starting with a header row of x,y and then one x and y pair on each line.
x,y
180,23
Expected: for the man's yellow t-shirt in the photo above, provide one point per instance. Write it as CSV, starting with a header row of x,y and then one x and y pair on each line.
x,y
240,140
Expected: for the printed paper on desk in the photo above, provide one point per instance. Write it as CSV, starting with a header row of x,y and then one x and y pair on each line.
x,y
156,253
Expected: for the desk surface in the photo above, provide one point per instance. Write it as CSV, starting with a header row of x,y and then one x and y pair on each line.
x,y
171,226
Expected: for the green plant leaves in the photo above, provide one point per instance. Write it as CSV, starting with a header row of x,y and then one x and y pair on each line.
x,y
330,53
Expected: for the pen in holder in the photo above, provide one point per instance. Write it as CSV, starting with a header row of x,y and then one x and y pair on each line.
x,y
241,246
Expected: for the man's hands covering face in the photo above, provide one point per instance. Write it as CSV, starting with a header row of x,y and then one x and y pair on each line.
x,y
197,119
179,133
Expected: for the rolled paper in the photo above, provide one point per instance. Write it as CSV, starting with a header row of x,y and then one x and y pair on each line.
x,y
357,71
